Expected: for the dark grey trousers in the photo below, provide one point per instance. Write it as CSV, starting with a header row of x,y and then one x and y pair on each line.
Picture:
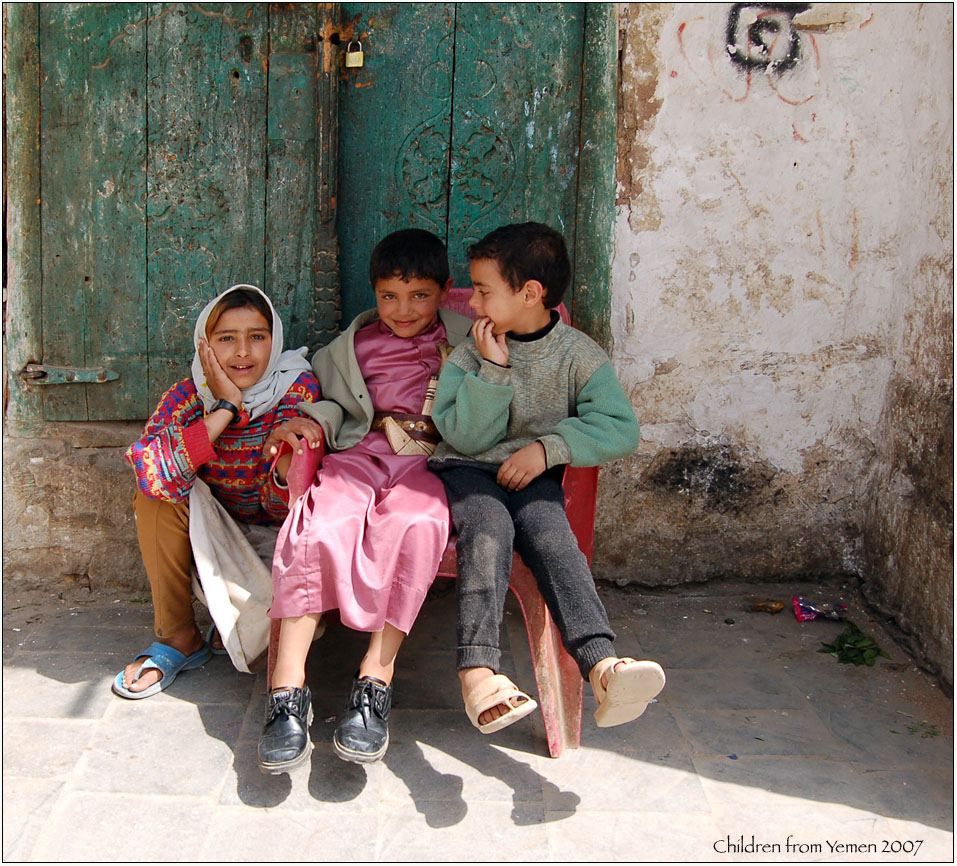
x,y
489,520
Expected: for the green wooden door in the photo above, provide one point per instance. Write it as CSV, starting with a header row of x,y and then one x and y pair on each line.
x,y
159,153
464,116
179,151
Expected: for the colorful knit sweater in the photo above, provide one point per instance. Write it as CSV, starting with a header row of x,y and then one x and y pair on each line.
x,y
175,448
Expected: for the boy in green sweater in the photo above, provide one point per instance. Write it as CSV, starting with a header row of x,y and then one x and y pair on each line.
x,y
525,397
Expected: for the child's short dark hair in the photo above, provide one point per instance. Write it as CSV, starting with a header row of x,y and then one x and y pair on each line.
x,y
528,251
407,254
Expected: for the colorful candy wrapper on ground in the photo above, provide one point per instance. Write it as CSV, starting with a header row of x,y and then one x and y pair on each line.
x,y
805,610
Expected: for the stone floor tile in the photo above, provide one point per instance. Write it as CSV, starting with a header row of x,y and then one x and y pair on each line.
x,y
119,613
713,647
486,832
633,835
609,780
150,747
732,688
434,628
216,682
627,641
52,636
654,736
663,788
55,685
325,780
437,755
44,748
268,836
754,780
756,732
427,680
884,737
26,807
910,793
85,826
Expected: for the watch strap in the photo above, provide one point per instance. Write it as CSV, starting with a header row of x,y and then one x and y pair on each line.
x,y
225,404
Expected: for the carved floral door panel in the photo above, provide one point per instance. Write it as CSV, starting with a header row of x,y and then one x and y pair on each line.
x,y
462,118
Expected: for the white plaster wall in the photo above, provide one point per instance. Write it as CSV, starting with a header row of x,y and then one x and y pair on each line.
x,y
760,276
783,305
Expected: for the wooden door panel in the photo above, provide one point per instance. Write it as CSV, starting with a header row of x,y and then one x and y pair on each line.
x,y
93,239
206,153
516,121
300,248
464,117
179,154
394,133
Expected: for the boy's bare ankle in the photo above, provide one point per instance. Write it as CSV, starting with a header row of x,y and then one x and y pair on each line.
x,y
471,677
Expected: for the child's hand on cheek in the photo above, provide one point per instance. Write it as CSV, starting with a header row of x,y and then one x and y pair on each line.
x,y
523,467
492,348
218,382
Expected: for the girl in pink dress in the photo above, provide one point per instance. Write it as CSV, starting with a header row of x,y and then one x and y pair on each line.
x,y
367,537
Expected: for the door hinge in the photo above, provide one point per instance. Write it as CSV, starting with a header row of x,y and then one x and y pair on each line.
x,y
48,374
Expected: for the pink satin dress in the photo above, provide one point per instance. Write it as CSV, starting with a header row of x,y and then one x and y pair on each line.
x,y
368,536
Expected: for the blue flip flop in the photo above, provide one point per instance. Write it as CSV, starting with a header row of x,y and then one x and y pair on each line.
x,y
168,661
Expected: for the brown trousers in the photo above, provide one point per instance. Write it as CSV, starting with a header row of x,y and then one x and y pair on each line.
x,y
163,531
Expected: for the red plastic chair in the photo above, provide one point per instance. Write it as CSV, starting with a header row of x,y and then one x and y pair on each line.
x,y
559,682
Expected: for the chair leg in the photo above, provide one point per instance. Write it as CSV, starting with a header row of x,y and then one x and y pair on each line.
x,y
560,685
274,628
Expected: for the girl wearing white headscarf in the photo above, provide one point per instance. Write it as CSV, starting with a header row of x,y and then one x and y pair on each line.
x,y
206,497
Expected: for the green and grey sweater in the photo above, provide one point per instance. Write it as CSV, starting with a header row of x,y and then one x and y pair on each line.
x,y
560,390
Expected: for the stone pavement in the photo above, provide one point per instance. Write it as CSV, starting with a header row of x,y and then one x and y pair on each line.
x,y
759,749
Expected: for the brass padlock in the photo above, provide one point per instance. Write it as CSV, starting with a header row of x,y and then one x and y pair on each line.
x,y
354,56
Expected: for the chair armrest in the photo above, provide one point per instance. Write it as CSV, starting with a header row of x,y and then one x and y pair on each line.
x,y
581,490
302,468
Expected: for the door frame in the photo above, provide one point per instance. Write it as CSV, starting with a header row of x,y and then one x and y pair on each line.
x,y
595,217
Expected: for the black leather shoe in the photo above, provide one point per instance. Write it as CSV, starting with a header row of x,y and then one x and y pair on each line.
x,y
362,735
285,742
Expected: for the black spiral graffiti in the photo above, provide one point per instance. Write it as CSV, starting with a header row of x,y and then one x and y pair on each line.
x,y
766,38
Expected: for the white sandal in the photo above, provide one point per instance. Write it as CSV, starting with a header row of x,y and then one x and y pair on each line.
x,y
497,689
631,686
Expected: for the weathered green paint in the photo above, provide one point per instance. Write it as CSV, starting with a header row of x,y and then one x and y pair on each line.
x,y
93,235
184,148
594,239
22,154
291,211
516,120
207,167
326,303
300,244
394,121
187,147
462,153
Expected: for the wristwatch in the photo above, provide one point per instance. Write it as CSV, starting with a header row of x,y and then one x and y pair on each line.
x,y
225,404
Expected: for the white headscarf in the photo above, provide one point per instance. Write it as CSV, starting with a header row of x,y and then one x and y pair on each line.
x,y
283,368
